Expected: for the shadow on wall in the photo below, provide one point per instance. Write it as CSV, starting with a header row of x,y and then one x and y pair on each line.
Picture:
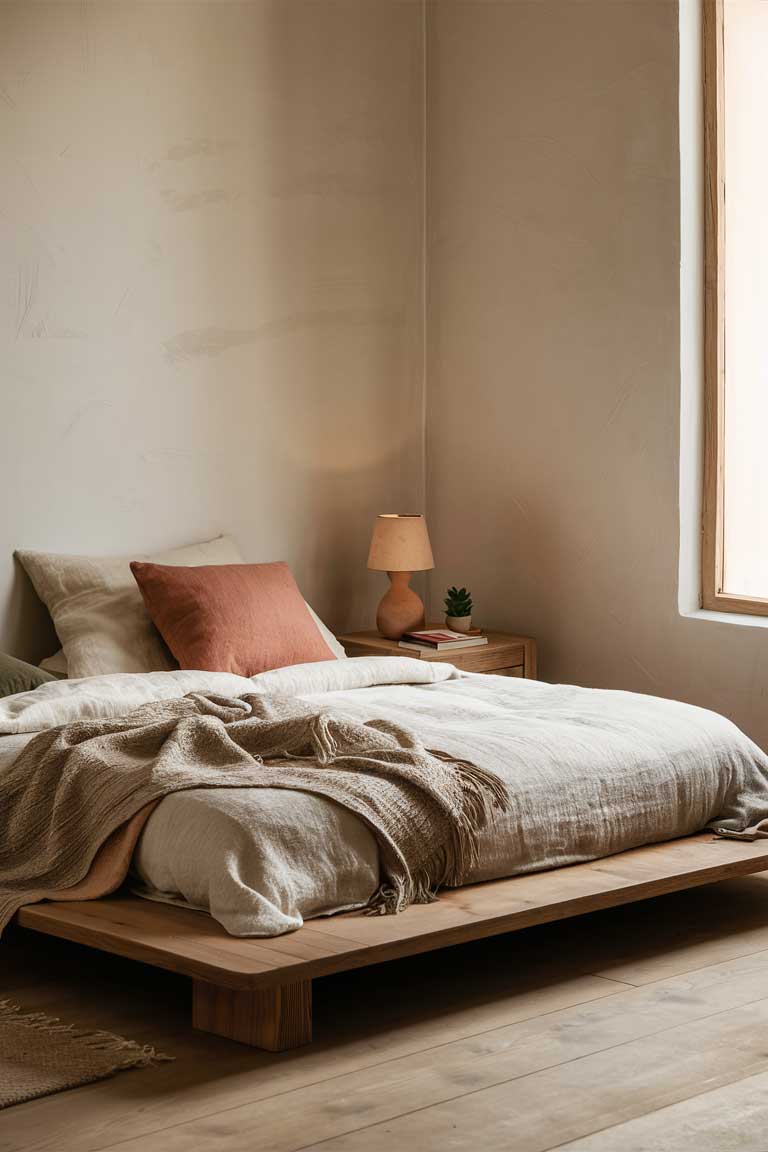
x,y
31,634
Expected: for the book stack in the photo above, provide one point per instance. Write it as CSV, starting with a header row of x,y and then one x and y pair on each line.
x,y
442,639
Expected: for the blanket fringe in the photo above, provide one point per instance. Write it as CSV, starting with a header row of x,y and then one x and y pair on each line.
x,y
397,893
483,793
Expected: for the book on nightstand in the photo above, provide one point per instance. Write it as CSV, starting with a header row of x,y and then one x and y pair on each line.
x,y
441,640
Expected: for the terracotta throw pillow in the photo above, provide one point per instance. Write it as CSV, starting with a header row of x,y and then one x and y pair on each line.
x,y
241,618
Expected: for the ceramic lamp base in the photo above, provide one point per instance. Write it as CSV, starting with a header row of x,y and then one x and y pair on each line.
x,y
400,610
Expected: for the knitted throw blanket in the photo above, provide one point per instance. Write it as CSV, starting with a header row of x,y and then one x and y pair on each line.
x,y
74,786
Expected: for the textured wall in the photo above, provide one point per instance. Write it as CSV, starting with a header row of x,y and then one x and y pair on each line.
x,y
553,343
210,308
210,283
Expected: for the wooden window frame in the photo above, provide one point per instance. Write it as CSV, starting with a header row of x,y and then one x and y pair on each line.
x,y
713,542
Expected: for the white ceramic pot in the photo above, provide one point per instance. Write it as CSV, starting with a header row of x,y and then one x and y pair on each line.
x,y
458,623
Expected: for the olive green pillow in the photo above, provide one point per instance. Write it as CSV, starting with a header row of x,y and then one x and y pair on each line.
x,y
16,676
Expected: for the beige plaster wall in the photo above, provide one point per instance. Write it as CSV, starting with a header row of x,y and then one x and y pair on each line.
x,y
553,381
211,275
211,242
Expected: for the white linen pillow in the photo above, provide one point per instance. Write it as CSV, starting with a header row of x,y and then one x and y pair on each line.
x,y
97,609
99,614
57,664
327,635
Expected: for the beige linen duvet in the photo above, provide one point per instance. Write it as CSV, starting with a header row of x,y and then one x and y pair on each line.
x,y
589,773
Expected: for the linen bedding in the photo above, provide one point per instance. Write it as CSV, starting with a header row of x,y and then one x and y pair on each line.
x,y
588,773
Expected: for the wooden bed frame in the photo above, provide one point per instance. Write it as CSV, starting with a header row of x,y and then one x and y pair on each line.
x,y
259,991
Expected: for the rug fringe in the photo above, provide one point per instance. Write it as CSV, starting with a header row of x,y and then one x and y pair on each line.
x,y
136,1055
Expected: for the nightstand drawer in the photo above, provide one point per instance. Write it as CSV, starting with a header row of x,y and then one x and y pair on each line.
x,y
483,659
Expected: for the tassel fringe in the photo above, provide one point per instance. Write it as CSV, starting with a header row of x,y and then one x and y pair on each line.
x,y
483,793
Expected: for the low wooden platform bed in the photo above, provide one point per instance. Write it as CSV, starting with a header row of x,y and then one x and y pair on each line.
x,y
259,992
264,819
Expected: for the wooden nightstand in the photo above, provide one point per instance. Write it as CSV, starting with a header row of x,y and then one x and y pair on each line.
x,y
503,655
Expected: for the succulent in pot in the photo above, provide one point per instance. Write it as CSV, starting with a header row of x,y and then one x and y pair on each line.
x,y
458,610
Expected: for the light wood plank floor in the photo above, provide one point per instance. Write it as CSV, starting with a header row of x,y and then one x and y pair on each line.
x,y
639,1029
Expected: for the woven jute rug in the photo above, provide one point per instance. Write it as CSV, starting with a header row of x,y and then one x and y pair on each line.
x,y
40,1055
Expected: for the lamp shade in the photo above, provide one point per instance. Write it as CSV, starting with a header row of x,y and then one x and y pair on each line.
x,y
400,543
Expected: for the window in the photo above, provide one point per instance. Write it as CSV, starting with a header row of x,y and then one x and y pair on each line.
x,y
735,527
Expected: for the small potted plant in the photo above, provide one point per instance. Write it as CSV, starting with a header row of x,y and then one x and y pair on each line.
x,y
458,610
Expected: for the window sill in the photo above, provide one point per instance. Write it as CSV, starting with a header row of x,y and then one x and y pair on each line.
x,y
740,618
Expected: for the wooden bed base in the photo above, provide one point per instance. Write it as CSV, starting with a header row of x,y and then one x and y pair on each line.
x,y
259,991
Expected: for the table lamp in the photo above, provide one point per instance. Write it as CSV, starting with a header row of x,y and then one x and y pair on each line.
x,y
400,546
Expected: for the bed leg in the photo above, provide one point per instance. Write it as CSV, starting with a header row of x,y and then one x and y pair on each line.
x,y
272,1018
